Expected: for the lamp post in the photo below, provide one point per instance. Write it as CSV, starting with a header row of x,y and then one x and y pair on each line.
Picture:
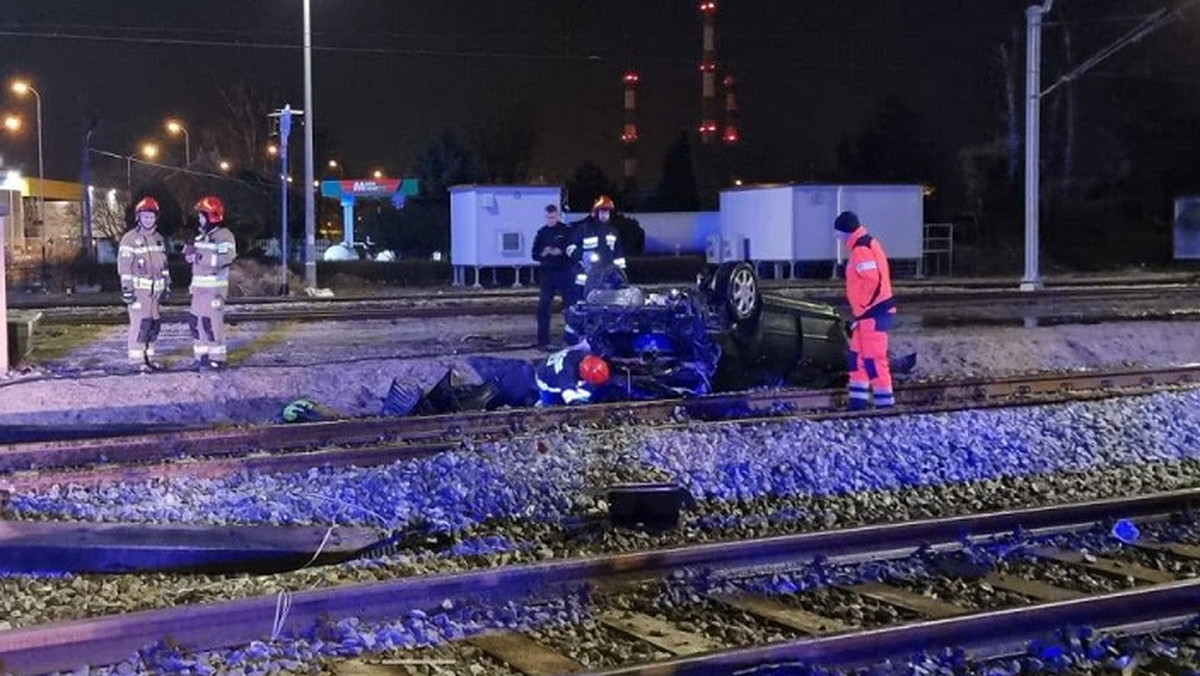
x,y
21,88
176,127
149,151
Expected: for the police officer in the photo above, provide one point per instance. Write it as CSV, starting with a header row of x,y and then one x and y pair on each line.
x,y
554,274
594,242
571,376
873,309
145,283
211,254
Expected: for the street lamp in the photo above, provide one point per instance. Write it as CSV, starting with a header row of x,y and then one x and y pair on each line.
x,y
149,151
12,123
224,165
272,149
378,174
21,88
333,164
176,127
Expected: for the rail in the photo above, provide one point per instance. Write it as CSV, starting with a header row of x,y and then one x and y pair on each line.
x,y
105,640
380,440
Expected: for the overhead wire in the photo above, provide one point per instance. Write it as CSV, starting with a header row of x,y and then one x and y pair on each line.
x,y
1147,26
236,44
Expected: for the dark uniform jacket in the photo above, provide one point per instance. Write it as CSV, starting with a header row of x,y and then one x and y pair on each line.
x,y
558,236
595,243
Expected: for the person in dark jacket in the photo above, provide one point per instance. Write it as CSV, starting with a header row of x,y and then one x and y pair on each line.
x,y
595,243
555,274
595,246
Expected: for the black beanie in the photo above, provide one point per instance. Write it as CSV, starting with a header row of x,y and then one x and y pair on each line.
x,y
847,221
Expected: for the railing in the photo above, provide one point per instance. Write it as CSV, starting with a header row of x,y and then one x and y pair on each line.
x,y
937,250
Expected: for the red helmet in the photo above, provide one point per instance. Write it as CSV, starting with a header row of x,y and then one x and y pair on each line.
x,y
593,370
604,202
211,206
146,204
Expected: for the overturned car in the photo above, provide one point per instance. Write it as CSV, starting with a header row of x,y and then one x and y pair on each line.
x,y
723,335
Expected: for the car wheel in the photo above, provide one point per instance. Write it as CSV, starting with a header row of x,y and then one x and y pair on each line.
x,y
735,286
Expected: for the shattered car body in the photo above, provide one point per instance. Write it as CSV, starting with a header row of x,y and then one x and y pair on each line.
x,y
723,335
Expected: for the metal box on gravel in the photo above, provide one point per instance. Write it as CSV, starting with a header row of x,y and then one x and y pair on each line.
x,y
649,506
20,334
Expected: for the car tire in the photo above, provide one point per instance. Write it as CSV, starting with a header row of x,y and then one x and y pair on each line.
x,y
735,287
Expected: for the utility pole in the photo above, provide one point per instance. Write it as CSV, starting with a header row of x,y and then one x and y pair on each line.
x,y
86,179
3,295
1033,108
310,207
1031,281
285,129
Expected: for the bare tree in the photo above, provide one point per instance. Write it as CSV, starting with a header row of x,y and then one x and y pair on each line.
x,y
108,219
246,128
1012,132
1068,152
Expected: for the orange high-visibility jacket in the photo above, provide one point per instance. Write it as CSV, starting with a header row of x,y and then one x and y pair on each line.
x,y
868,277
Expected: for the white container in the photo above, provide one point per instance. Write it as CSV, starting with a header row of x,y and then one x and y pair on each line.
x,y
494,225
794,223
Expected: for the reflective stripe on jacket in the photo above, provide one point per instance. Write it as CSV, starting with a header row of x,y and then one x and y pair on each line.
x,y
868,277
142,261
215,252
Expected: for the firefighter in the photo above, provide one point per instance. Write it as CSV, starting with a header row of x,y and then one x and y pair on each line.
x,y
594,242
873,309
145,283
211,254
571,376
554,272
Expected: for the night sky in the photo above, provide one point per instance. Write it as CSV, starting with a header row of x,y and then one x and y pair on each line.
x,y
389,74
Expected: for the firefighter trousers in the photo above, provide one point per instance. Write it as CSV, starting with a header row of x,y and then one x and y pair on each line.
x,y
144,325
207,324
868,364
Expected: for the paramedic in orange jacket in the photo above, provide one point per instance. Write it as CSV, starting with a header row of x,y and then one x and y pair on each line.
x,y
869,291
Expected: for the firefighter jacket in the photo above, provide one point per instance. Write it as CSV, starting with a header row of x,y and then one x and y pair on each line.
x,y
868,277
142,261
557,236
558,377
215,251
595,243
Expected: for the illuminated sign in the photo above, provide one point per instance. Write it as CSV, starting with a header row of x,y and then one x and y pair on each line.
x,y
368,187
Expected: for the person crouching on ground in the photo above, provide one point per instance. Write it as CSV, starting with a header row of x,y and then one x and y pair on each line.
x,y
571,376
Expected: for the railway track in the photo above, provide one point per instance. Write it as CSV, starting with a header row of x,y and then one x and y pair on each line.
x,y
291,448
661,612
497,303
